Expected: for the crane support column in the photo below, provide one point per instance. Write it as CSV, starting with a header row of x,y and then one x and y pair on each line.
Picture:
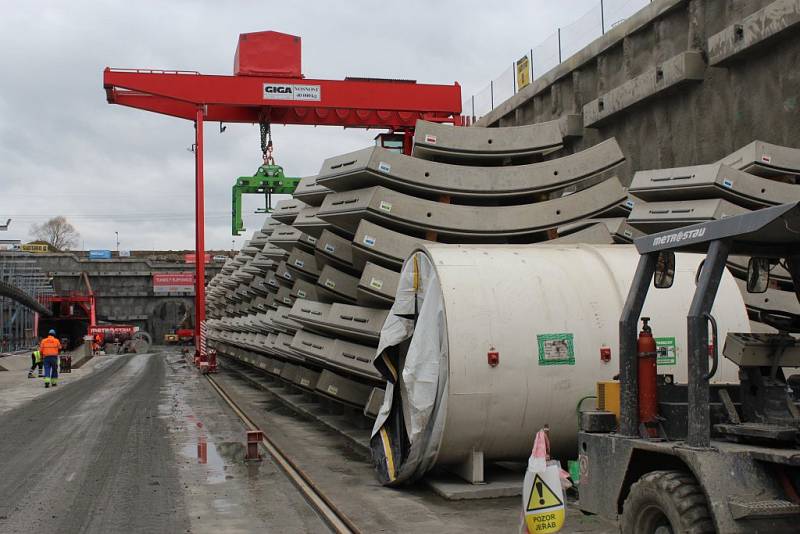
x,y
200,231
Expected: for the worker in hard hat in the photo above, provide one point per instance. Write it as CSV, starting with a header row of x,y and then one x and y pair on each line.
x,y
50,347
36,361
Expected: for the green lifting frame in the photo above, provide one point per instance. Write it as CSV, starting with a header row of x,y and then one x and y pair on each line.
x,y
268,180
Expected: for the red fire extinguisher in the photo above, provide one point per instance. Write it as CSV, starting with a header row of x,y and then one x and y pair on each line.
x,y
648,372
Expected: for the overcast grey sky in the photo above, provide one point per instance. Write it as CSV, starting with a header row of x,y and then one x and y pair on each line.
x,y
65,151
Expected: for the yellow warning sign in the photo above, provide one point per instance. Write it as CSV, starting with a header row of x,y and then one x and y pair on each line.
x,y
545,510
523,72
542,496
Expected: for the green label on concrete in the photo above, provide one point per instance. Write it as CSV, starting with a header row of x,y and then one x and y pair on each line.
x,y
556,349
667,351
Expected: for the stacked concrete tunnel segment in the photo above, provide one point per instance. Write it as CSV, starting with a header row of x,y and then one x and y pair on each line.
x,y
428,179
313,309
755,176
664,88
307,296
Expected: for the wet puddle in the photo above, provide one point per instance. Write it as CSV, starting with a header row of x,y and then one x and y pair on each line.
x,y
206,453
217,457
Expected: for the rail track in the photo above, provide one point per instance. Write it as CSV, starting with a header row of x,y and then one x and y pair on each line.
x,y
337,521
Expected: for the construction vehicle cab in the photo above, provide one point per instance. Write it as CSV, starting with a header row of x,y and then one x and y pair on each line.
x,y
716,458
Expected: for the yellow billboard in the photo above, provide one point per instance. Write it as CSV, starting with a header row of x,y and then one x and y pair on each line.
x,y
34,247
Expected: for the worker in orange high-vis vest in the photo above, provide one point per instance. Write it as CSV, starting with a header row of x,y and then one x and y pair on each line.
x,y
50,347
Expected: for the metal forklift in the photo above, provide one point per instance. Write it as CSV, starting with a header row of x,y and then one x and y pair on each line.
x,y
713,458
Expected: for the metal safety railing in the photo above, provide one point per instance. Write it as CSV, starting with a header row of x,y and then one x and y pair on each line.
x,y
549,53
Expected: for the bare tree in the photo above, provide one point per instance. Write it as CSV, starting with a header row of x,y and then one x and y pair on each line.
x,y
58,232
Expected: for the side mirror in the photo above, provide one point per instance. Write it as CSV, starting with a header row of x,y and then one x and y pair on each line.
x,y
757,275
665,270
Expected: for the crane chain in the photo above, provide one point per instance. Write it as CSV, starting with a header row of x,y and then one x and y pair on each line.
x,y
266,143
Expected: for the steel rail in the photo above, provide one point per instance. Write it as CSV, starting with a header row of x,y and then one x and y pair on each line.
x,y
327,510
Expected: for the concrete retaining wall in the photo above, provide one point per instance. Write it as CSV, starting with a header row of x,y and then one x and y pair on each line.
x,y
124,289
648,83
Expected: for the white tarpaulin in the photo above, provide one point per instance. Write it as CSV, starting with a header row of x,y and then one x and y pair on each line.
x,y
416,321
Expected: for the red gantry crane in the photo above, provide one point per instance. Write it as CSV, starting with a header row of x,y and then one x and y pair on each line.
x,y
268,87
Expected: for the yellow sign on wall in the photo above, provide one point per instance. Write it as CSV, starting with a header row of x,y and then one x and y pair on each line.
x,y
523,72
34,247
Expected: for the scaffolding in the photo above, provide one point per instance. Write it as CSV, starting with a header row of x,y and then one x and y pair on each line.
x,y
24,290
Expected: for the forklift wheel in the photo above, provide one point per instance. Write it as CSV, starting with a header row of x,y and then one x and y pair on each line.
x,y
666,502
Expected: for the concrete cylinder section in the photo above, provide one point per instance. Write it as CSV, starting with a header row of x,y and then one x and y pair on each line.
x,y
487,343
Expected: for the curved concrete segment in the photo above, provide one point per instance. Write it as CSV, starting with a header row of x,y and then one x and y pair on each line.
x,y
306,378
288,237
765,159
273,252
310,192
712,181
303,289
310,313
267,321
282,298
308,222
270,302
336,353
335,250
303,265
259,239
651,217
379,166
484,223
263,323
271,280
377,286
282,320
286,211
618,228
334,285
284,276
269,225
259,286
441,142
376,244
282,347
595,234
262,262
344,389
357,323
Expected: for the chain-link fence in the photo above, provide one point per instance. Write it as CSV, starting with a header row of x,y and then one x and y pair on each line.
x,y
553,50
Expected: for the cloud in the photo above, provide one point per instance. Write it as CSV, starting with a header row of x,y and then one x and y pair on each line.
x,y
64,150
